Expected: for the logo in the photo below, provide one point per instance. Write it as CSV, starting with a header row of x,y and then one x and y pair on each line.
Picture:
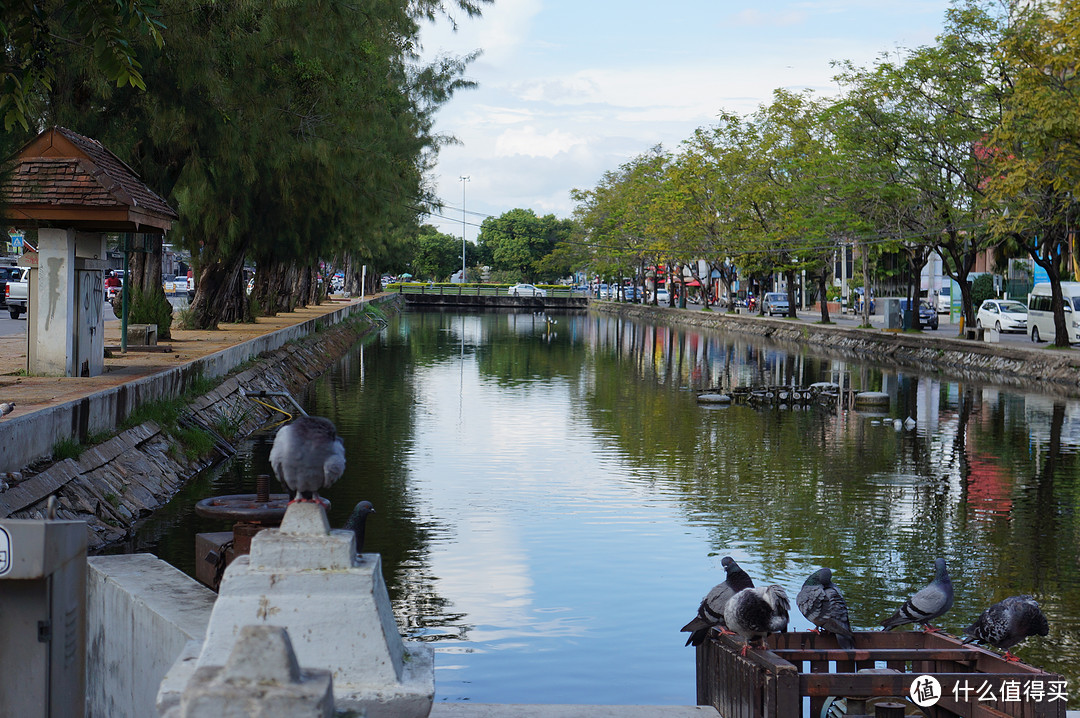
x,y
5,551
925,691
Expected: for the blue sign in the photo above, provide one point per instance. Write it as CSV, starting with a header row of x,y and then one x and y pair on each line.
x,y
17,240
1040,274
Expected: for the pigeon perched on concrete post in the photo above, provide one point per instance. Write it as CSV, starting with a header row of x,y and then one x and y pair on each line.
x,y
307,455
1008,622
930,603
754,613
711,611
823,605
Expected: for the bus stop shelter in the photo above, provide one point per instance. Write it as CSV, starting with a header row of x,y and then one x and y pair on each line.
x,y
72,191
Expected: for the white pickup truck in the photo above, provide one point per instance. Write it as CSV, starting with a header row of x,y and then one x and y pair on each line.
x,y
17,291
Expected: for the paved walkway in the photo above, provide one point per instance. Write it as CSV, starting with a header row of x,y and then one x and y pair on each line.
x,y
37,392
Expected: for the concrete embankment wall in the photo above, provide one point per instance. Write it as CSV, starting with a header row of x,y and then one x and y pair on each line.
x,y
140,614
31,437
1029,366
113,484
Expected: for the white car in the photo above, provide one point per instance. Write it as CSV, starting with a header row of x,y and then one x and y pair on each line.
x,y
1003,315
525,290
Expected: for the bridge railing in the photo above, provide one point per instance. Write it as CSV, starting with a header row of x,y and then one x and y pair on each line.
x,y
478,290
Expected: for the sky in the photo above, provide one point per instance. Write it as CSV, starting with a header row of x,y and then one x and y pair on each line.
x,y
568,90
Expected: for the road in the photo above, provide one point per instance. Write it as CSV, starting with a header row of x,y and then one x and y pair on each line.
x,y
945,328
10,327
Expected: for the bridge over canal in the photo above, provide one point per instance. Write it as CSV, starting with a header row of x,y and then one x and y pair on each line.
x,y
423,295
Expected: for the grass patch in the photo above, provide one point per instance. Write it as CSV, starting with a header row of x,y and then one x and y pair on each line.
x,y
194,441
184,318
67,449
113,499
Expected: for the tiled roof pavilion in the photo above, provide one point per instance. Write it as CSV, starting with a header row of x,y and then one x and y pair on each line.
x,y
63,179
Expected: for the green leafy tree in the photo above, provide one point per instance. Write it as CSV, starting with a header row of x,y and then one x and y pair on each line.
x,y
1032,158
285,133
518,241
918,122
435,255
35,37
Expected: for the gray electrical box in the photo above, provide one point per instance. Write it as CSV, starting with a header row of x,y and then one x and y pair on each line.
x,y
42,618
894,317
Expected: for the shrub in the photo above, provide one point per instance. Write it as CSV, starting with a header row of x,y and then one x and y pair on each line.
x,y
981,290
152,307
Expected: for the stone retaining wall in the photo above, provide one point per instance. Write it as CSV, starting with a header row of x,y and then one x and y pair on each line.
x,y
1024,366
113,484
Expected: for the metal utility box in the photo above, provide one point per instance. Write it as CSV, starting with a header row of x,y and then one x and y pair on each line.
x,y
890,307
43,618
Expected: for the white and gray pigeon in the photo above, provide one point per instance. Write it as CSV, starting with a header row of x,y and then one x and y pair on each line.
x,y
754,613
307,456
823,605
928,604
711,611
6,408
1008,622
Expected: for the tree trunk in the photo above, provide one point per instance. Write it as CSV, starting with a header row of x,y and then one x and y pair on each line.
x,y
823,296
221,295
145,268
789,275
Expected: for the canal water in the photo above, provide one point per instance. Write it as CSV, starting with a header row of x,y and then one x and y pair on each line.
x,y
552,501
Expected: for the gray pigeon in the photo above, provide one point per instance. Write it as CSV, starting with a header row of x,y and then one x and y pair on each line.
x,y
6,408
357,521
711,611
823,605
1008,622
926,605
308,455
754,613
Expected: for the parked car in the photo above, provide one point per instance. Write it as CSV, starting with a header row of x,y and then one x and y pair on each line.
x,y
1040,326
662,296
16,291
1003,315
776,303
928,318
526,290
943,299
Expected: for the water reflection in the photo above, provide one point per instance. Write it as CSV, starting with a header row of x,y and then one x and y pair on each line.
x,y
553,502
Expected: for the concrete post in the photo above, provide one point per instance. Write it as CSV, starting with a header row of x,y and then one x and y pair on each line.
x,y
52,336
308,579
260,678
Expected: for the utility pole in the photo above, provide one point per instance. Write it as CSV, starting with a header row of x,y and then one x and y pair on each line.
x,y
464,179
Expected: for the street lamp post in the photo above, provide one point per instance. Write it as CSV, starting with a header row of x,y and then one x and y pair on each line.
x,y
464,179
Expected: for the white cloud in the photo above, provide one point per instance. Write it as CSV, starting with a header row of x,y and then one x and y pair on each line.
x,y
757,18
558,104
501,31
530,142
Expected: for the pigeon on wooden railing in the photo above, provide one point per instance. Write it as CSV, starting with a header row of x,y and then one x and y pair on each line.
x,y
1008,622
823,605
711,611
754,613
307,455
928,604
357,521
